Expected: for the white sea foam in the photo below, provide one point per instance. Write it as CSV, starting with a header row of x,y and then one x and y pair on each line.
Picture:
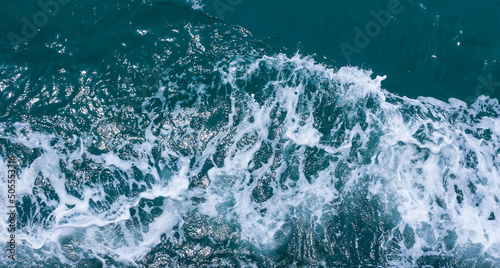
x,y
436,163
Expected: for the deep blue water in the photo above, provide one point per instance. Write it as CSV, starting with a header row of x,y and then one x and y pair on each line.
x,y
249,133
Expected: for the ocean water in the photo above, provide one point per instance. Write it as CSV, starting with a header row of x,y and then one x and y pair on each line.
x,y
248,133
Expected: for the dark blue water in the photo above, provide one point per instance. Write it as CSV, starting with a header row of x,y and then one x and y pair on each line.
x,y
238,133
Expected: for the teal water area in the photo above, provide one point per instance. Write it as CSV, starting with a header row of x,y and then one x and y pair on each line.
x,y
238,133
441,49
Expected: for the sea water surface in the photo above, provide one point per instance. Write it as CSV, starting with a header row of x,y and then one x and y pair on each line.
x,y
249,133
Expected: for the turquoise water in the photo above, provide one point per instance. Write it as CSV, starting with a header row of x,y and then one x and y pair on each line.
x,y
238,133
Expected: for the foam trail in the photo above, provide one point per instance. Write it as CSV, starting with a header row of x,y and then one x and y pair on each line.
x,y
274,143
